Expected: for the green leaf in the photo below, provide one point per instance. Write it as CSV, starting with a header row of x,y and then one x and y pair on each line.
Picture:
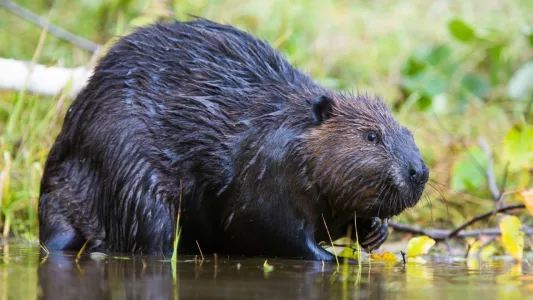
x,y
518,146
497,65
424,56
521,82
428,83
438,55
425,103
477,85
461,31
467,171
412,67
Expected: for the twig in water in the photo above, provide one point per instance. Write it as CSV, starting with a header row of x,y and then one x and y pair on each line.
x,y
359,263
331,240
144,265
403,257
46,251
80,253
201,254
177,231
468,247
53,29
215,267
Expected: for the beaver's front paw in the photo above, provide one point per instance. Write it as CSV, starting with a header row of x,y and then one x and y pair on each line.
x,y
372,233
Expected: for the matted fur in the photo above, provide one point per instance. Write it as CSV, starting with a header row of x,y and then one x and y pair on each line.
x,y
213,115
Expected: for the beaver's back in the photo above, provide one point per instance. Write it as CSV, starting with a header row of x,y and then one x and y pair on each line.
x,y
191,76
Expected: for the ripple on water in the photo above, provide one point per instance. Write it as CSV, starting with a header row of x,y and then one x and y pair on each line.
x,y
27,273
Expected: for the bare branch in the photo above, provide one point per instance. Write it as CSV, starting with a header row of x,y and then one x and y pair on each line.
x,y
41,79
483,216
53,29
489,172
445,234
441,234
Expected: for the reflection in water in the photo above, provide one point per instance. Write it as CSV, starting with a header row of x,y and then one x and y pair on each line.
x,y
151,278
24,276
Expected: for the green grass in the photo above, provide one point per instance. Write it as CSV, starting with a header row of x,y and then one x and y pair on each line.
x,y
360,45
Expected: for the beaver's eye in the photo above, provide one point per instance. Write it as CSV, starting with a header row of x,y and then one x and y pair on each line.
x,y
371,137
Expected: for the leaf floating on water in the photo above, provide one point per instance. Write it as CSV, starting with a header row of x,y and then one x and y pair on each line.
x,y
419,245
348,253
385,256
121,257
267,268
527,197
343,241
340,251
98,255
512,236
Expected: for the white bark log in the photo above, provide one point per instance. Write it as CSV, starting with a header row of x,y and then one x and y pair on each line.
x,y
40,79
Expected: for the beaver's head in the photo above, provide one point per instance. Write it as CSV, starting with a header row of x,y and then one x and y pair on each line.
x,y
362,160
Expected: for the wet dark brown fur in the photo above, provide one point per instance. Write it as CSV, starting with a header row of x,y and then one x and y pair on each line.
x,y
258,152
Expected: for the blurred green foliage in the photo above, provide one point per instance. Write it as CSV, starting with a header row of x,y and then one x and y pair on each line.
x,y
453,71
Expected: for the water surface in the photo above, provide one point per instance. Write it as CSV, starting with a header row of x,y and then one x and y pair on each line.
x,y
26,273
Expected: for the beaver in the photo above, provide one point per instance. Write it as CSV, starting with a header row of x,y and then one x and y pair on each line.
x,y
207,120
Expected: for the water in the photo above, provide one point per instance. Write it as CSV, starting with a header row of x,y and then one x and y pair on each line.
x,y
25,273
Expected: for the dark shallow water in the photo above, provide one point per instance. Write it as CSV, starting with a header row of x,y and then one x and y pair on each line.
x,y
25,274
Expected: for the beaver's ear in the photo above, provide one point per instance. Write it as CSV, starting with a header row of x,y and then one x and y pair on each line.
x,y
322,109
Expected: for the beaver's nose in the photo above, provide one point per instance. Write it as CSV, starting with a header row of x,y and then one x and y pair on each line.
x,y
418,173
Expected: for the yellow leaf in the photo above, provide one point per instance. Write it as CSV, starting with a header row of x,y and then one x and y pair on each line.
x,y
340,251
527,197
343,241
385,256
523,180
474,248
483,254
419,245
512,236
348,253
267,268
